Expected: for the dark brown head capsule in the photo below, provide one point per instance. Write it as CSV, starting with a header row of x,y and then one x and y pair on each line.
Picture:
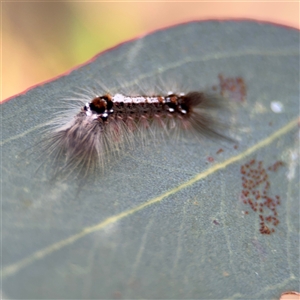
x,y
98,105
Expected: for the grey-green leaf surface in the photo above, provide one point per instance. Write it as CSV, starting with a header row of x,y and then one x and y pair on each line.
x,y
164,222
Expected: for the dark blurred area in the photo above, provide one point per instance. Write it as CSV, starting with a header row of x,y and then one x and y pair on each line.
x,y
41,40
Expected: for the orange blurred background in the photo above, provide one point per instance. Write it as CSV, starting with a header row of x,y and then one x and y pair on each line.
x,y
41,40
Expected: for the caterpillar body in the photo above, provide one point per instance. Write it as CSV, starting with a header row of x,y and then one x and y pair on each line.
x,y
105,127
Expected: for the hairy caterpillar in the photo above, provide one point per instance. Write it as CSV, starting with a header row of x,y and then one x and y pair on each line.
x,y
103,128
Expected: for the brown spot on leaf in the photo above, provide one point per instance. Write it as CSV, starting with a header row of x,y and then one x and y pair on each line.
x,y
233,88
210,159
220,151
256,193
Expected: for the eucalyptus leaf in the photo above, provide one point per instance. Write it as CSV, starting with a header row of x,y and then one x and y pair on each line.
x,y
166,221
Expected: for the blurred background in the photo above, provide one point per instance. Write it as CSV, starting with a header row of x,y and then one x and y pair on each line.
x,y
41,40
